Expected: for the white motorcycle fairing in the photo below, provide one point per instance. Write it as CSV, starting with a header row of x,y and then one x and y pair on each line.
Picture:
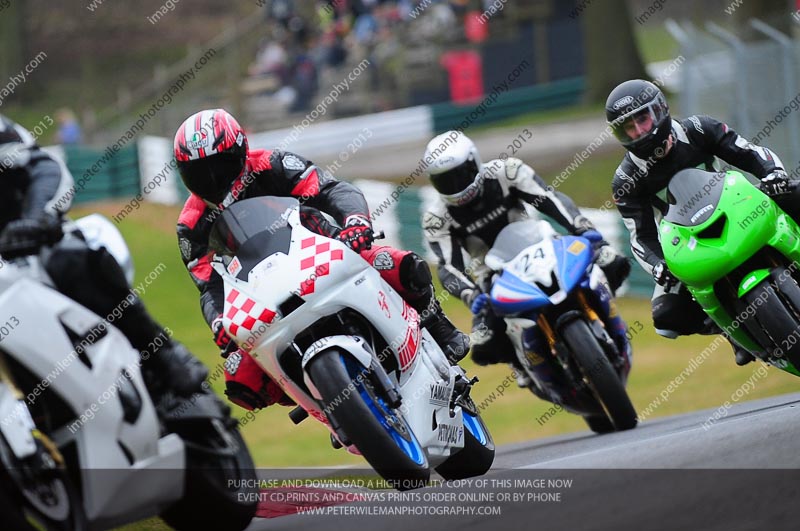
x,y
94,372
286,293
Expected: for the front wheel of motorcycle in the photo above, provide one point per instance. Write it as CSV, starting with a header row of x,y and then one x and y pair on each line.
x,y
776,314
476,457
38,498
380,433
599,374
221,484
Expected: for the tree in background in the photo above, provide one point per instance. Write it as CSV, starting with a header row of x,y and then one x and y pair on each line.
x,y
13,42
612,55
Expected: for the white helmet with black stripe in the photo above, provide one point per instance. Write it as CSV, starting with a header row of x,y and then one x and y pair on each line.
x,y
454,167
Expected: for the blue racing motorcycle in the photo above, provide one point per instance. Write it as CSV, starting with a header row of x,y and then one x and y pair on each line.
x,y
562,321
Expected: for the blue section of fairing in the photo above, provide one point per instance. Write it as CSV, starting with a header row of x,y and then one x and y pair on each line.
x,y
571,266
526,296
474,426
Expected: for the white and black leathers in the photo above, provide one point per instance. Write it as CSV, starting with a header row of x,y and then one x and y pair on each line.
x,y
457,233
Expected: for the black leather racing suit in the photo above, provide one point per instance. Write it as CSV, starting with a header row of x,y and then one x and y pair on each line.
x,y
639,192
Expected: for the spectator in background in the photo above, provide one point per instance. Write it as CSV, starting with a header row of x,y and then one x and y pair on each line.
x,y
271,60
365,29
304,81
69,130
459,7
281,11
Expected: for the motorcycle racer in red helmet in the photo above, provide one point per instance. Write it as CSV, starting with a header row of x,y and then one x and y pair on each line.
x,y
217,166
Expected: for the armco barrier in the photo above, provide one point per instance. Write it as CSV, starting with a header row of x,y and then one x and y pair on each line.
x,y
103,176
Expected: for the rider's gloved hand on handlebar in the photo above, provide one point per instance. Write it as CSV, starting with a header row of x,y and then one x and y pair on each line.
x,y
664,276
222,339
594,237
357,233
777,184
616,266
475,300
22,237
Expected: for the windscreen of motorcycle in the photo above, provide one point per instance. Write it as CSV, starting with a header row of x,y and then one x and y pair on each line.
x,y
252,230
515,238
693,196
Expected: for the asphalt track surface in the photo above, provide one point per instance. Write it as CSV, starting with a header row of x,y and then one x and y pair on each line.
x,y
740,473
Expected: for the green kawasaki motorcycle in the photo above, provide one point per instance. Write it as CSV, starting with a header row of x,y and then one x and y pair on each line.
x,y
738,254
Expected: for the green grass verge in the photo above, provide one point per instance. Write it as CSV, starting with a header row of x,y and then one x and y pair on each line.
x,y
512,417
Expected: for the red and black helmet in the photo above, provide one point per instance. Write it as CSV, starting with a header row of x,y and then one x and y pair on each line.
x,y
211,151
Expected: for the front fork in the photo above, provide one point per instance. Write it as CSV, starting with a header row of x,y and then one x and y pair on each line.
x,y
20,431
611,332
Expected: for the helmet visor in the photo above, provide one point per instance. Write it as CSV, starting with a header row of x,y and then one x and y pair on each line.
x,y
456,180
639,123
211,177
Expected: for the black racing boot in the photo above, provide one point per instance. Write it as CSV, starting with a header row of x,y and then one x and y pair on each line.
x,y
453,342
742,356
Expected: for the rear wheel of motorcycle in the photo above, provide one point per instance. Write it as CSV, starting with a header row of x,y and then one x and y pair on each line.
x,y
220,493
477,456
380,433
777,316
599,375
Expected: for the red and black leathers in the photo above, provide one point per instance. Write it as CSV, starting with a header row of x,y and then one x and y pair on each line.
x,y
266,172
278,173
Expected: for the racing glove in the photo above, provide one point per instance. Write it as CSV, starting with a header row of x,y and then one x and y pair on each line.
x,y
23,237
777,184
615,266
357,233
222,339
582,225
664,276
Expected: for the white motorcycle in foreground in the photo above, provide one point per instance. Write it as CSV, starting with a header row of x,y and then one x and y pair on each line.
x,y
82,445
345,346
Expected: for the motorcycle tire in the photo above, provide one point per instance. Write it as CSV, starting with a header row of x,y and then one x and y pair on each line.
x,y
54,505
477,456
599,374
220,486
380,433
777,316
